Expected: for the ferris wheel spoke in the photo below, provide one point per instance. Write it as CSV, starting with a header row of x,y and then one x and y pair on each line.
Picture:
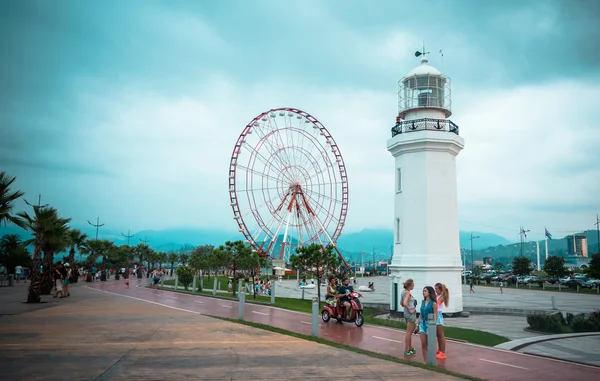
x,y
258,155
278,132
255,189
255,172
271,147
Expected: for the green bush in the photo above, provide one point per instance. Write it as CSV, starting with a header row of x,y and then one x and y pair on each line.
x,y
546,322
185,275
556,323
583,324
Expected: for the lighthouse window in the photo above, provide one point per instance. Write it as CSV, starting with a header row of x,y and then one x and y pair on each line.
x,y
399,180
397,230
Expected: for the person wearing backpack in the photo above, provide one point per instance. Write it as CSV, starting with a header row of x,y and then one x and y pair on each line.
x,y
409,303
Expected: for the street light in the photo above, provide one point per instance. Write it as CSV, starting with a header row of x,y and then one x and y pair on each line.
x,y
471,239
464,272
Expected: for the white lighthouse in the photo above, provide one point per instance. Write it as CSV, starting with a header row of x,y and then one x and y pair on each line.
x,y
424,144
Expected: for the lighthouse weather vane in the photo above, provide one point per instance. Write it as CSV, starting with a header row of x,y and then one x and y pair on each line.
x,y
422,53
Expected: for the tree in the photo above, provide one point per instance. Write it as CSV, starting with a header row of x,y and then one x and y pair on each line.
x,y
142,251
321,259
77,241
119,256
498,266
183,258
13,253
237,256
476,271
185,275
555,266
594,268
172,258
7,200
47,228
521,266
202,258
163,258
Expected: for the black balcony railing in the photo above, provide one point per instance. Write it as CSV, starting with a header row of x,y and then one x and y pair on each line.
x,y
425,124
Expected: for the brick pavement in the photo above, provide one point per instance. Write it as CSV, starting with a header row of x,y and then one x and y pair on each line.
x,y
98,336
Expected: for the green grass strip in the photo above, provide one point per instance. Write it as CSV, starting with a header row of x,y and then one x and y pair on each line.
x,y
305,305
348,348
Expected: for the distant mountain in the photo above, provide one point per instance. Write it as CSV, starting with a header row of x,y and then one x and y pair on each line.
x,y
351,244
484,240
381,240
556,246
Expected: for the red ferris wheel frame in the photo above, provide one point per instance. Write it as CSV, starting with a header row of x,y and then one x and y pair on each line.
x,y
296,195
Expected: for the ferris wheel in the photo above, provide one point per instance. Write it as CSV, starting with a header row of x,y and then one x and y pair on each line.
x,y
288,185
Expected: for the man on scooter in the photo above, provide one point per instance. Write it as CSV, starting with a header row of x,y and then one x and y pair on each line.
x,y
343,294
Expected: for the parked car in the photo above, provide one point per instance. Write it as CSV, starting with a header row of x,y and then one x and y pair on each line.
x,y
582,283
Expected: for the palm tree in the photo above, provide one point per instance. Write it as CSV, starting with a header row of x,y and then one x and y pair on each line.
x,y
48,236
77,241
13,252
163,258
183,258
7,199
142,251
172,258
56,240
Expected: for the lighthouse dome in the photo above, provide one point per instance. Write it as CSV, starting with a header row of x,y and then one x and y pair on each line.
x,y
424,69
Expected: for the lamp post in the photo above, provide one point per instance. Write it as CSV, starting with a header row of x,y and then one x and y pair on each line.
x,y
471,239
462,252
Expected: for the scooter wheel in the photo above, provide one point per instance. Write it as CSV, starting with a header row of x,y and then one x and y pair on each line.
x,y
359,320
325,316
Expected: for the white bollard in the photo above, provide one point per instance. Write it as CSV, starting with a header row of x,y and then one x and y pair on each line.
x,y
202,284
215,286
431,339
194,285
315,317
553,299
242,296
273,293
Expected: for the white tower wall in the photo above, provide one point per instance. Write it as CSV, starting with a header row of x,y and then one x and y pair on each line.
x,y
425,113
426,240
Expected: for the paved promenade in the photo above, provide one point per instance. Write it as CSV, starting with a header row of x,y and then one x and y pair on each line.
x,y
103,336
478,361
484,297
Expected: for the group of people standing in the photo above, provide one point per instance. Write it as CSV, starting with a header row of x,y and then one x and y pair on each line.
x,y
434,300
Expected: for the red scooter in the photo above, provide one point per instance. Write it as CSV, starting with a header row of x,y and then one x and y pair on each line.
x,y
355,314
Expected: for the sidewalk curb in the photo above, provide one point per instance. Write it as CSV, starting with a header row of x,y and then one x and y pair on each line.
x,y
515,345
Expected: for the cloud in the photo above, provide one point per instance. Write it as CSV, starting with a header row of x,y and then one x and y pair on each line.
x,y
153,101
171,154
530,149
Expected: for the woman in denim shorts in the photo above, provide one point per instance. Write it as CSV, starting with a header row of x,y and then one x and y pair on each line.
x,y
410,315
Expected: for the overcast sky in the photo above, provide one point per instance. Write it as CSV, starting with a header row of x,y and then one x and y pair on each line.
x,y
129,110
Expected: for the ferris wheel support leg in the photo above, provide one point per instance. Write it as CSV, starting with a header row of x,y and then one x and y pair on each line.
x,y
331,241
274,238
287,226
